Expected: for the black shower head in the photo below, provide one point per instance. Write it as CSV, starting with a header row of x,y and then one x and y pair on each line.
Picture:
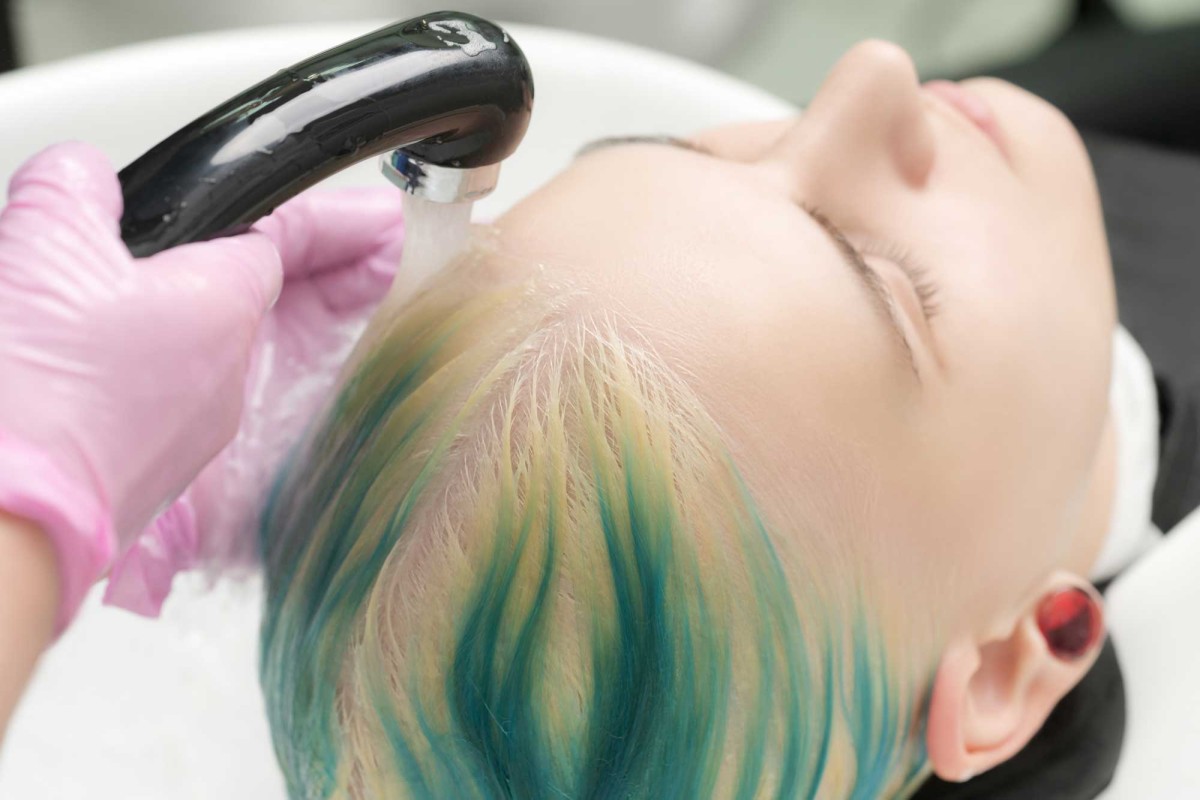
x,y
451,92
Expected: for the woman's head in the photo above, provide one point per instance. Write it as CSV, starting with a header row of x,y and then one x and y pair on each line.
x,y
971,446
519,561
785,531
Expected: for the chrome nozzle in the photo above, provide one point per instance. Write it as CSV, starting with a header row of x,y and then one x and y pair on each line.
x,y
439,184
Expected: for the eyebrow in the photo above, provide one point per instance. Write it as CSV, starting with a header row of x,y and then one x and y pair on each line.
x,y
670,141
878,295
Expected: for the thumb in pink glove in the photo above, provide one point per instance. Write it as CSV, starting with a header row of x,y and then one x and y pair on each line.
x,y
122,377
340,251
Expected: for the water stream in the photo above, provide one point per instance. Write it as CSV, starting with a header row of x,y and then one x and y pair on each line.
x,y
434,233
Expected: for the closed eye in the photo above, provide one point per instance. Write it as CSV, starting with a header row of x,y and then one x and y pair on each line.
x,y
918,275
877,291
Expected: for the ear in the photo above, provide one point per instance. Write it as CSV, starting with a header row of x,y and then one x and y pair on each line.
x,y
990,697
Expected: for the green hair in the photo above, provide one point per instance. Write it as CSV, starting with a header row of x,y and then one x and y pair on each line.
x,y
516,560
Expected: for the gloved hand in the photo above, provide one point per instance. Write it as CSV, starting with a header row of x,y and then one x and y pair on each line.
x,y
121,378
340,251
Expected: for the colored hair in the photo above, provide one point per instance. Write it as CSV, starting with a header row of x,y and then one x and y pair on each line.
x,y
516,560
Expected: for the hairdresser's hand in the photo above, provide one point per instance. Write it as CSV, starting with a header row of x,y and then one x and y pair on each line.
x,y
340,251
121,378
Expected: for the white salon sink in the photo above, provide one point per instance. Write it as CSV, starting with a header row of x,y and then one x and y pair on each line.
x,y
131,709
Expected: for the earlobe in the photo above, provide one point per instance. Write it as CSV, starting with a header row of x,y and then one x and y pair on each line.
x,y
989,698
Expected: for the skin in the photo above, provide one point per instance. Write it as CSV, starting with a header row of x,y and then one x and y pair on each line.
x,y
29,575
978,488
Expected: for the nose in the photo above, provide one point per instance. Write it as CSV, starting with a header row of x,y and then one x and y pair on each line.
x,y
868,116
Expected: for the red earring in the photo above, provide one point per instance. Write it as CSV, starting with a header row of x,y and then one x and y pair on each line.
x,y
1071,621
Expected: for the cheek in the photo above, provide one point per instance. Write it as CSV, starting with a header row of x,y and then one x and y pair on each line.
x,y
1063,318
1017,427
1032,343
1023,291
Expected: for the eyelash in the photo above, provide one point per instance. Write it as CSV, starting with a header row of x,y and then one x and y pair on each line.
x,y
918,274
927,290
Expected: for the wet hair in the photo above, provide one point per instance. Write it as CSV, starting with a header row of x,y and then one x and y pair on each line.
x,y
516,560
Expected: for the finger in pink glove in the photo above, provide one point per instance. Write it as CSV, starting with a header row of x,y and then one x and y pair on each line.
x,y
122,377
340,251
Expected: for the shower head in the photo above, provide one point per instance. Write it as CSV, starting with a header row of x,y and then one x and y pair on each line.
x,y
447,96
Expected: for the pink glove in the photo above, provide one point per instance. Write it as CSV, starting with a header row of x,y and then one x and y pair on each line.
x,y
340,251
121,378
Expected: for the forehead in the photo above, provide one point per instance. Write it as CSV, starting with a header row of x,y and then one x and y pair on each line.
x,y
667,227
725,274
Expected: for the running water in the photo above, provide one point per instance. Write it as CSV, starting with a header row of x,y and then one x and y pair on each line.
x,y
434,233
